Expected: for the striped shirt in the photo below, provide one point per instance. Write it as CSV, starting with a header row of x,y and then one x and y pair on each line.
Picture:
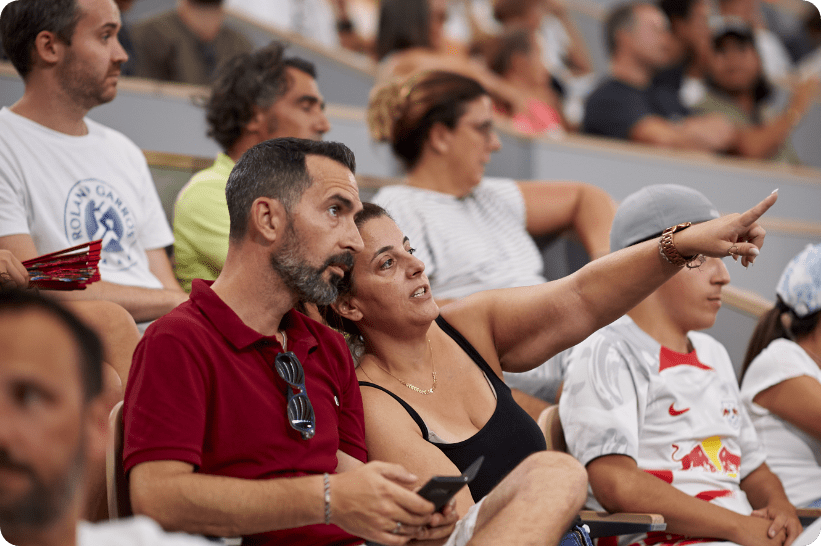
x,y
468,244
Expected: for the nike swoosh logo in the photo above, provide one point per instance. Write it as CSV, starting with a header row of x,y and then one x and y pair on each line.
x,y
675,413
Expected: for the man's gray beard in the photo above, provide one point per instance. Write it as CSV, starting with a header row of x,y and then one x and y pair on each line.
x,y
44,503
303,279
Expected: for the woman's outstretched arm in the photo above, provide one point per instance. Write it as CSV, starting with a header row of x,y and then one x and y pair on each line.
x,y
528,325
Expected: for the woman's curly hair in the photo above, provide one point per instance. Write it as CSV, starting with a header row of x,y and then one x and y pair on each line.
x,y
403,112
349,328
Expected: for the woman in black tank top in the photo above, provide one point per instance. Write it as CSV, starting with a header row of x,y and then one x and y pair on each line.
x,y
431,386
451,398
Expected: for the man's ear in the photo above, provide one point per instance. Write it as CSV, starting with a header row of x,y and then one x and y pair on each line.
x,y
256,121
346,307
268,218
48,47
439,138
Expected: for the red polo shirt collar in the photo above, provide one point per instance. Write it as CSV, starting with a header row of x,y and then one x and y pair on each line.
x,y
241,336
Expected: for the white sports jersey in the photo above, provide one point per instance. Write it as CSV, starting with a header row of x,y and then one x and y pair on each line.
x,y
792,454
477,242
66,190
679,416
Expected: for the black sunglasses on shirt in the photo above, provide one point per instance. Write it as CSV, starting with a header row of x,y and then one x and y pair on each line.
x,y
300,411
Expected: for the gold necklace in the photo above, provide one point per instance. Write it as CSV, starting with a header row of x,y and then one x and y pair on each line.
x,y
414,388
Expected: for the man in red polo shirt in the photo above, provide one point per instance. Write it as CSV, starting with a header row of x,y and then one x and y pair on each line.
x,y
209,444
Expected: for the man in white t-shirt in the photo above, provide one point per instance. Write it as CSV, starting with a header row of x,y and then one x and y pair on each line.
x,y
66,180
652,409
52,419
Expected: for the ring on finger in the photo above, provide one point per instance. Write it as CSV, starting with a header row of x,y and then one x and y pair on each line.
x,y
732,250
398,528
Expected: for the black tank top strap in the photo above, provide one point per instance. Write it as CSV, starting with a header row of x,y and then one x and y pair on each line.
x,y
469,349
509,436
404,404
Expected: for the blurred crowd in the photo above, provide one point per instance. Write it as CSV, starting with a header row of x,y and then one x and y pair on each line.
x,y
729,76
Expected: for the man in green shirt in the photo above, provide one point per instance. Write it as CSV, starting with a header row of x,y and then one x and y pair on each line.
x,y
255,97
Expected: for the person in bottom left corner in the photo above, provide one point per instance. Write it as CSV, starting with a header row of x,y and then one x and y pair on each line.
x,y
52,419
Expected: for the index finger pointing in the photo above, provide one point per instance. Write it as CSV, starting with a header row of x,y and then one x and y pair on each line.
x,y
750,217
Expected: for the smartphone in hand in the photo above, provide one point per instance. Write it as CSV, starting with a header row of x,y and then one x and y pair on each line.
x,y
440,489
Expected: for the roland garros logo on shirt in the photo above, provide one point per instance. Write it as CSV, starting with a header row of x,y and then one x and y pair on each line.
x,y
95,210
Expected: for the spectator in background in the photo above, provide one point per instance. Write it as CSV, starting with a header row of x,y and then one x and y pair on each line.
x,y
651,406
65,179
475,233
775,58
566,56
787,19
560,44
811,61
781,379
329,23
53,421
562,47
691,50
127,69
187,44
739,90
255,97
349,14
812,27
527,16
411,40
626,106
515,57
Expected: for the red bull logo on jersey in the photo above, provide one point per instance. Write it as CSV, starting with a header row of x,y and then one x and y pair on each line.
x,y
730,413
711,455
730,462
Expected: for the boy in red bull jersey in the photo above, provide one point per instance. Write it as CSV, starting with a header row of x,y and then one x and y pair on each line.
x,y
651,406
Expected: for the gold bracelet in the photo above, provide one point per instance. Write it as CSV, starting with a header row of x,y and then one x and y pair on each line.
x,y
668,250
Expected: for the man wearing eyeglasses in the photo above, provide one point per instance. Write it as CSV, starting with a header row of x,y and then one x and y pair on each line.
x,y
243,416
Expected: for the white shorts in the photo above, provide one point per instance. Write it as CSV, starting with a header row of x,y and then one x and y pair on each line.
x,y
463,531
465,526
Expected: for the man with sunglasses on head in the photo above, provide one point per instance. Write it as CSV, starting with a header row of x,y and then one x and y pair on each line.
x,y
243,416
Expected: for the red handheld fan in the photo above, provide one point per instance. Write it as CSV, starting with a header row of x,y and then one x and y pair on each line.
x,y
70,269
